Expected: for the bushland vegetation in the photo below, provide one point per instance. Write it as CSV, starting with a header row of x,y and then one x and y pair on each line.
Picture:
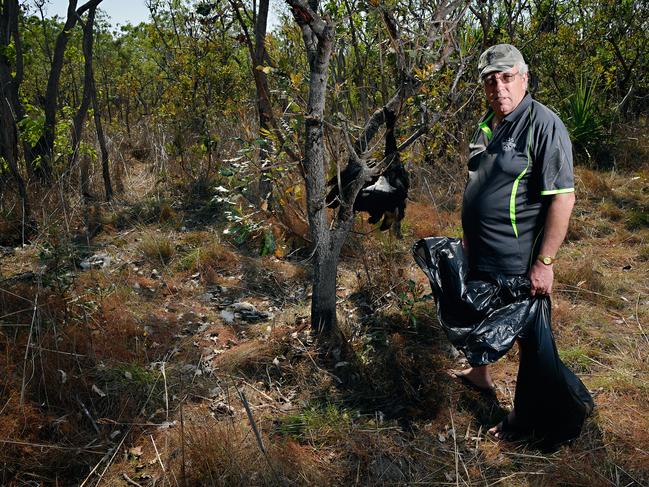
x,y
159,240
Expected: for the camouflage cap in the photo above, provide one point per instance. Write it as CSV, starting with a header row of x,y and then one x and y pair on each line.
x,y
500,57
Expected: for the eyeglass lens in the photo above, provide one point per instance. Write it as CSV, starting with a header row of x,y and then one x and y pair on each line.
x,y
504,77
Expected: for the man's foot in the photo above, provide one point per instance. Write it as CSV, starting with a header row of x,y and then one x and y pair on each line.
x,y
507,430
475,378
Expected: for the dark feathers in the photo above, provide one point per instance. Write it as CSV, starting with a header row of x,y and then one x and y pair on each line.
x,y
384,196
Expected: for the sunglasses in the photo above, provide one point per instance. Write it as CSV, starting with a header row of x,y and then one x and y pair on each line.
x,y
505,78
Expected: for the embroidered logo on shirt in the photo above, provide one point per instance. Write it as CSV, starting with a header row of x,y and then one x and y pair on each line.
x,y
509,144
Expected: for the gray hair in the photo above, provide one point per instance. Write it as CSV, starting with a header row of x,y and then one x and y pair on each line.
x,y
522,68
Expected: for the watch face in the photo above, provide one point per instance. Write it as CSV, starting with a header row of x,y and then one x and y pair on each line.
x,y
547,260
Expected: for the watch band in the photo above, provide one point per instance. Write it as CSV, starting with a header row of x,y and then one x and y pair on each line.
x,y
546,259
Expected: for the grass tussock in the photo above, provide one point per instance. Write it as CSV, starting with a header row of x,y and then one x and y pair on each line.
x,y
212,261
157,248
583,281
250,355
226,454
593,185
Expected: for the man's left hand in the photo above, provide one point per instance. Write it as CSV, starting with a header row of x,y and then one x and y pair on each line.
x,y
541,277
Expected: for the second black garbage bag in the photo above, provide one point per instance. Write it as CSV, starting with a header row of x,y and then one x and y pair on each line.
x,y
483,315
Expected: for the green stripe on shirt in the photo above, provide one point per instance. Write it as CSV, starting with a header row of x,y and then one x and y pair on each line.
x,y
484,126
512,197
557,191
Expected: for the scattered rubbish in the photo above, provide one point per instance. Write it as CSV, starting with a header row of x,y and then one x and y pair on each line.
x,y
97,261
167,424
6,250
228,316
221,409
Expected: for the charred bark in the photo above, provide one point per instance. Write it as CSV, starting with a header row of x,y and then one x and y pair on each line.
x,y
86,99
40,156
10,107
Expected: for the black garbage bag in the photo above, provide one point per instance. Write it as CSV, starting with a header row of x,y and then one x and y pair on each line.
x,y
483,315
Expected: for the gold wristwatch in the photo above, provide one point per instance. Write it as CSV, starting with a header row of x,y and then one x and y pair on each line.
x,y
546,259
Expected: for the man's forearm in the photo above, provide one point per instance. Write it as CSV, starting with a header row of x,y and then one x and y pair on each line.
x,y
556,223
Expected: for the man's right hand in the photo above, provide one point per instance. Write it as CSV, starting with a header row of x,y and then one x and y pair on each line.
x,y
541,279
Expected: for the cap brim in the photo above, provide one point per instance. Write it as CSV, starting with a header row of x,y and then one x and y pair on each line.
x,y
495,68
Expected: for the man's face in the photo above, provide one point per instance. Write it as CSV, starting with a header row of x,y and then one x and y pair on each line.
x,y
505,90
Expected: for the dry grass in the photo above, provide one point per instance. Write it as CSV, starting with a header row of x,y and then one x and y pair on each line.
x,y
157,248
387,414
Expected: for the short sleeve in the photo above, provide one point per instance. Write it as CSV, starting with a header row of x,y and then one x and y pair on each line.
x,y
554,153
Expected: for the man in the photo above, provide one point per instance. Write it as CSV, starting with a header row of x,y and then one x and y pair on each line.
x,y
520,191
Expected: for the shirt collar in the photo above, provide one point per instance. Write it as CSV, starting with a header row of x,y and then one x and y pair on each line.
x,y
513,116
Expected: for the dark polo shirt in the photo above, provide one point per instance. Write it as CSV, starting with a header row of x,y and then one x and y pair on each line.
x,y
511,169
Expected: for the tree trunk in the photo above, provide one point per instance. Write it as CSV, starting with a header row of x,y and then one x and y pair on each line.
x,y
105,168
257,51
318,37
10,107
323,300
43,150
80,116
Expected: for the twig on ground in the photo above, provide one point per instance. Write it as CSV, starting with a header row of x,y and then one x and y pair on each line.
x,y
29,342
164,378
130,481
455,450
88,415
157,455
54,447
246,405
637,319
253,425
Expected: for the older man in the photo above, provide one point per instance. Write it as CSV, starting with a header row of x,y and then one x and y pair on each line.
x,y
520,191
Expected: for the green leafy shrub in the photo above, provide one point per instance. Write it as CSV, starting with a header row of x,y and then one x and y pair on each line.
x,y
582,119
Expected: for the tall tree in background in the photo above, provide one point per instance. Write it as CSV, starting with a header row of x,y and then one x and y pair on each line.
x,y
11,111
86,98
256,43
89,96
40,155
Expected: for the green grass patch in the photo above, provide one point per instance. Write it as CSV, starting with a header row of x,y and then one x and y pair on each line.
x,y
319,423
638,218
577,358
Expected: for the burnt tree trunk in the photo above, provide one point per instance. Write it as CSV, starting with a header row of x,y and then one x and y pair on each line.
x,y
318,37
11,110
80,116
105,169
40,156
